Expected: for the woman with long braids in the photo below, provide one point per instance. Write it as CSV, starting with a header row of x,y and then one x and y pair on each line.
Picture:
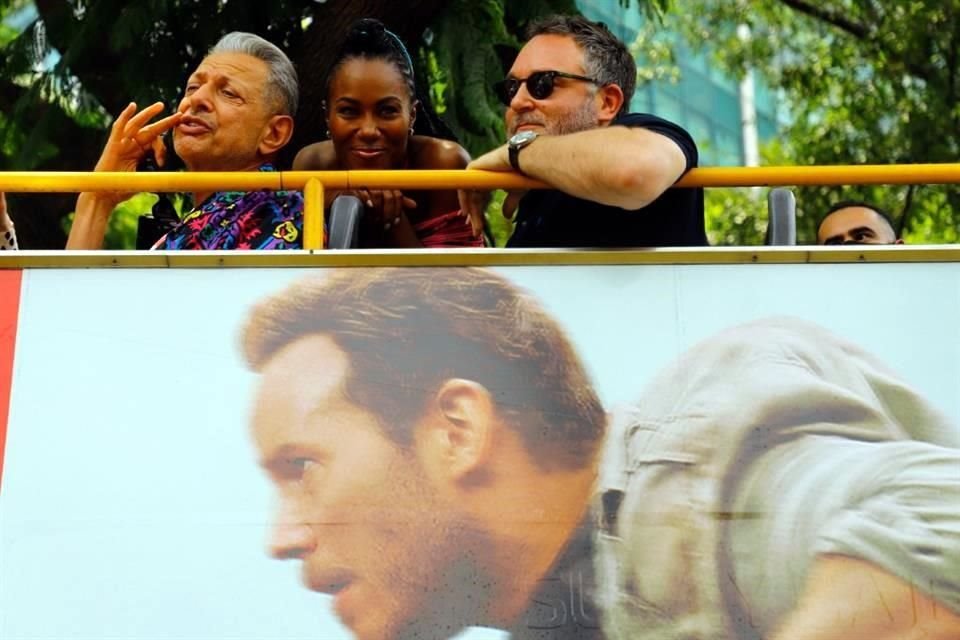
x,y
371,107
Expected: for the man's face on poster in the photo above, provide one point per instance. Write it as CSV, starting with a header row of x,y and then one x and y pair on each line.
x,y
353,506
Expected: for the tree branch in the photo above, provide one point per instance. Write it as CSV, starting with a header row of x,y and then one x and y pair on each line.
x,y
858,31
830,17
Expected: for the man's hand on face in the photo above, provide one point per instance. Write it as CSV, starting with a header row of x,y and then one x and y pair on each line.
x,y
131,137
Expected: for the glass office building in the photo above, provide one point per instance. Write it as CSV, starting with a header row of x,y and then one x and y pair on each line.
x,y
709,104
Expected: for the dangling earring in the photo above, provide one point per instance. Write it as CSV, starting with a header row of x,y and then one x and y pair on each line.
x,y
328,133
411,130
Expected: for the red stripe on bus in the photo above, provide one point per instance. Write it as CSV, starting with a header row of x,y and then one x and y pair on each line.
x,y
9,312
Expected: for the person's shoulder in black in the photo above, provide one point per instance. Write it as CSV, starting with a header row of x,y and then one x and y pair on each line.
x,y
665,128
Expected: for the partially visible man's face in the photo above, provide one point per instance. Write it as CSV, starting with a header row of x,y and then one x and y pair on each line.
x,y
570,108
355,508
225,111
855,225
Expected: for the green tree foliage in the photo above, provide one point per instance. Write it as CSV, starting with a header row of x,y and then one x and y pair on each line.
x,y
738,216
862,81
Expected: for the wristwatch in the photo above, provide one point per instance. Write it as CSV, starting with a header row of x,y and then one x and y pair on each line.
x,y
517,142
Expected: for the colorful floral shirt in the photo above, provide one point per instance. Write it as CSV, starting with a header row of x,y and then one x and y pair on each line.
x,y
241,220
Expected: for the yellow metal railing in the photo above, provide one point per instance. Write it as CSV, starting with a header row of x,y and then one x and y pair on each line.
x,y
828,175
314,184
69,181
313,223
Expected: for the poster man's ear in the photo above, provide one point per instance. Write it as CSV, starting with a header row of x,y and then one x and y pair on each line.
x,y
462,431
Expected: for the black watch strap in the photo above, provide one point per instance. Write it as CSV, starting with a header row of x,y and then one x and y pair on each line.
x,y
513,154
515,144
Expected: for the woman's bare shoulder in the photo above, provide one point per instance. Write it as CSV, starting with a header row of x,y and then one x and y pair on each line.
x,y
319,156
434,153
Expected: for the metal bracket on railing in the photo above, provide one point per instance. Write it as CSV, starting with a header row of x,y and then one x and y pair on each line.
x,y
782,217
344,222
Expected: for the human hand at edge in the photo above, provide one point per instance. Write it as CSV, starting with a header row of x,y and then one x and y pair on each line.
x,y
8,235
511,202
384,208
473,205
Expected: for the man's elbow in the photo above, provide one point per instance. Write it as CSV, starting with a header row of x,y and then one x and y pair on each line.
x,y
635,188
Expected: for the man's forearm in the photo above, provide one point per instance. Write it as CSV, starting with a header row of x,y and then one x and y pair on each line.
x,y
90,221
846,598
619,166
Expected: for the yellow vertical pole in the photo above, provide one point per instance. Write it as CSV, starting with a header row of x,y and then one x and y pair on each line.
x,y
313,214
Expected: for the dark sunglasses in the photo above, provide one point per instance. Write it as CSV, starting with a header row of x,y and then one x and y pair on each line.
x,y
539,84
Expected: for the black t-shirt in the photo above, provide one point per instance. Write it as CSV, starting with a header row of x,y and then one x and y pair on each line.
x,y
564,606
551,218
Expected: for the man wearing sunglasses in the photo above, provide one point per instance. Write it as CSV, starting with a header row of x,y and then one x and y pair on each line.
x,y
566,97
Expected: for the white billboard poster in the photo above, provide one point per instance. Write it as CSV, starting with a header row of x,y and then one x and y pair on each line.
x,y
562,452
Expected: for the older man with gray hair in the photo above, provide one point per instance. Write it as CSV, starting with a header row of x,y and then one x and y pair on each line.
x,y
236,114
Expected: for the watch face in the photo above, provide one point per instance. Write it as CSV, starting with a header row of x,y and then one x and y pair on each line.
x,y
522,138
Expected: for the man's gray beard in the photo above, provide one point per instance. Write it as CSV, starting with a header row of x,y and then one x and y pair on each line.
x,y
582,119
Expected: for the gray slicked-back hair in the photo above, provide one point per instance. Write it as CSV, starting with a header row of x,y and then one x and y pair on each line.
x,y
605,58
282,85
